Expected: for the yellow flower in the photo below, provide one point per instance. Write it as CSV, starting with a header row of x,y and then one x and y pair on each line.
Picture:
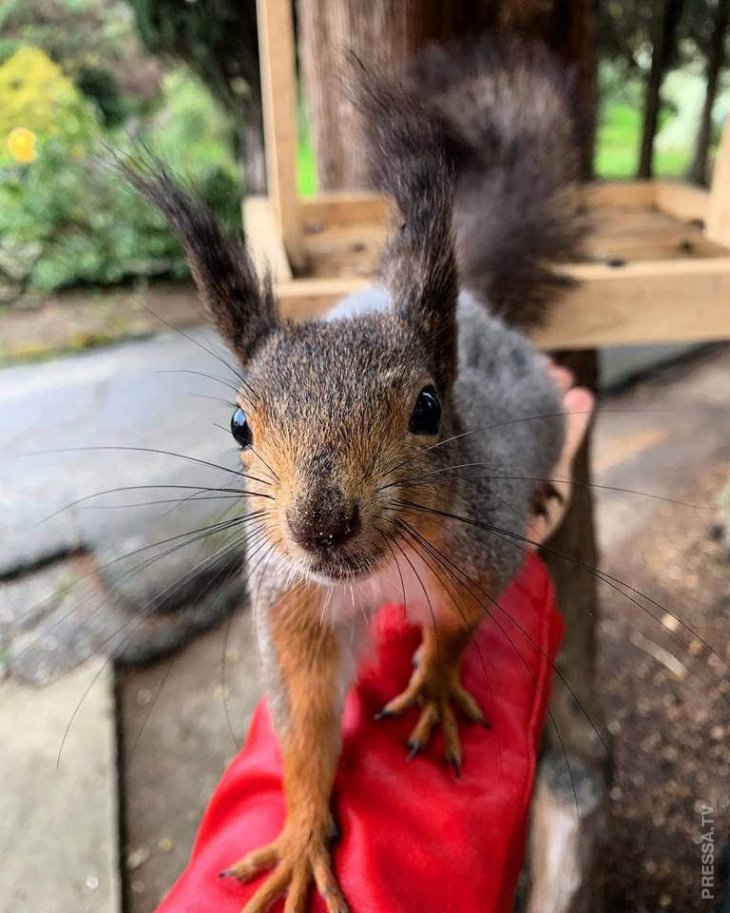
x,y
22,145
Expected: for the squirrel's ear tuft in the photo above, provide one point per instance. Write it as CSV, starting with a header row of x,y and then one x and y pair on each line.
x,y
419,263
239,303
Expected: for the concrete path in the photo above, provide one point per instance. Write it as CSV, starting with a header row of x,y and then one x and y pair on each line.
x,y
125,403
58,818
654,439
66,600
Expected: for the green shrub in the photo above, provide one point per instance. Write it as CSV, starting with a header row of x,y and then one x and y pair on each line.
x,y
65,218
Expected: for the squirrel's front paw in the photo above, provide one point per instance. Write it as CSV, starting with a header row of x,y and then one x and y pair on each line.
x,y
298,856
437,688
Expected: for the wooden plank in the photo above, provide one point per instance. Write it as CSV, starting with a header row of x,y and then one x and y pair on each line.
x,y
263,238
718,216
279,96
682,200
626,195
647,235
344,209
306,298
352,251
624,235
645,302
348,208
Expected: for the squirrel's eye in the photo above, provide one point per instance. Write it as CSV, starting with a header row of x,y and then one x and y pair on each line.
x,y
240,429
426,414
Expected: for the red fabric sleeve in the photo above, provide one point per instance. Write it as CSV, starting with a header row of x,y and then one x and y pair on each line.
x,y
413,838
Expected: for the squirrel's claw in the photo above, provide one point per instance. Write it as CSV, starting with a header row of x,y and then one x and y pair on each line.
x,y
439,692
295,866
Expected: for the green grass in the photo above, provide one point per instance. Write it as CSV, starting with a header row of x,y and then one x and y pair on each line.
x,y
617,147
306,169
306,163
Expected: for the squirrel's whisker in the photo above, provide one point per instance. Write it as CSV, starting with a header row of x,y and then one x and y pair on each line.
x,y
476,588
427,477
258,455
199,344
190,536
219,380
546,416
611,580
403,552
108,447
123,488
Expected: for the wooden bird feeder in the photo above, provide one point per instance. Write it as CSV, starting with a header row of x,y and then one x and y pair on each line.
x,y
658,267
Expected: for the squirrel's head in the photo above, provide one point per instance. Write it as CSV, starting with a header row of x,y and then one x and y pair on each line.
x,y
333,418
336,419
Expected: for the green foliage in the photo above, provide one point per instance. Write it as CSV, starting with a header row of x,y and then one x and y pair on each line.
x,y
68,222
65,218
617,152
216,38
35,94
102,88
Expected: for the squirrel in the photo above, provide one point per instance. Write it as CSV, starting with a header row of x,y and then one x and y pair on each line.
x,y
357,431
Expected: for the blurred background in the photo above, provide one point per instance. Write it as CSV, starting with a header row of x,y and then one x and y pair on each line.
x,y
127,675
181,77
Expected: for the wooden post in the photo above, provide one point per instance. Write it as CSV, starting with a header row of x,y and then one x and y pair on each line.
x,y
718,215
279,97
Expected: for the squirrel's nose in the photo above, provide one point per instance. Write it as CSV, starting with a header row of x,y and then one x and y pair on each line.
x,y
316,530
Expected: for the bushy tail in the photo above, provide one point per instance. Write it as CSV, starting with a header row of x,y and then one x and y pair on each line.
x,y
503,109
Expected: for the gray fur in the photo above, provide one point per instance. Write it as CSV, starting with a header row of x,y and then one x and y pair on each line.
x,y
504,110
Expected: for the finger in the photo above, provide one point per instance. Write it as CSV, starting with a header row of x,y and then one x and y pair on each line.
x,y
422,730
563,377
538,529
327,885
578,406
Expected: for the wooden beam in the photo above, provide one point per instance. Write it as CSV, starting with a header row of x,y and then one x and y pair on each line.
x,y
306,298
347,208
631,195
264,239
718,216
279,96
343,210
643,302
683,201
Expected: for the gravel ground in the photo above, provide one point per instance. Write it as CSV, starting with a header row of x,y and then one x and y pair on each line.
x,y
667,700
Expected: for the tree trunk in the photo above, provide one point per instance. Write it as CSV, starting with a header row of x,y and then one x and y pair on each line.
x,y
663,37
715,59
390,30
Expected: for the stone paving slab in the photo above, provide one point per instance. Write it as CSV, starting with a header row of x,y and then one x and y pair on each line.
x,y
183,719
58,824
655,438
129,401
118,399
